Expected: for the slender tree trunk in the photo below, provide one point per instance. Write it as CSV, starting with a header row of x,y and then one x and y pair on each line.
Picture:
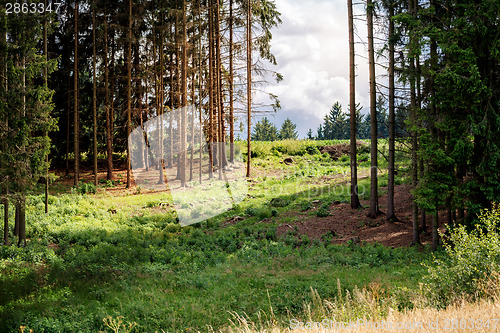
x,y
76,119
391,215
16,219
220,123
94,91
129,89
374,209
184,96
414,157
109,120
6,217
249,85
3,88
68,123
211,94
45,75
193,102
200,92
352,110
231,92
22,221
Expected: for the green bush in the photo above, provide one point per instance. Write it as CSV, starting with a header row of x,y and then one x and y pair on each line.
x,y
472,258
86,188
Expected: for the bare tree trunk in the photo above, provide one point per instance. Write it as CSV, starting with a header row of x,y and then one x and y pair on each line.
x,y
76,119
182,154
6,217
5,189
68,123
231,92
414,157
109,134
352,110
191,149
129,89
391,215
211,94
94,90
200,92
374,209
249,85
45,74
22,221
16,219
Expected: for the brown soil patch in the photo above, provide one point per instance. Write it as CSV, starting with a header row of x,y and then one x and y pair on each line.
x,y
346,224
336,151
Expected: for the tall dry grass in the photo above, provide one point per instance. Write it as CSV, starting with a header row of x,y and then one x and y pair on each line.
x,y
369,310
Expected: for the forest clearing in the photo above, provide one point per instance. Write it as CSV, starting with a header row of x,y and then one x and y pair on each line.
x,y
160,171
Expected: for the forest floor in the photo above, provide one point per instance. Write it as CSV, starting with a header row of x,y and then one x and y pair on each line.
x,y
343,224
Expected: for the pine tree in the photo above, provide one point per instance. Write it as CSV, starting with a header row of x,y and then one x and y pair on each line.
x,y
288,130
264,130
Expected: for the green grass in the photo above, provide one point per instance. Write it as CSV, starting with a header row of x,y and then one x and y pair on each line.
x,y
96,255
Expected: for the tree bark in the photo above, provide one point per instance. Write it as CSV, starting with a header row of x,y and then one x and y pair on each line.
x,y
76,120
249,85
374,209
391,215
22,222
184,96
352,111
94,91
109,120
231,79
129,89
6,218
413,118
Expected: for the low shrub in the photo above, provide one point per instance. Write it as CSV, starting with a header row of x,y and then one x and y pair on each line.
x,y
472,258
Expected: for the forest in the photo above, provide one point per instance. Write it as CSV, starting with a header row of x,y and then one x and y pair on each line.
x,y
144,187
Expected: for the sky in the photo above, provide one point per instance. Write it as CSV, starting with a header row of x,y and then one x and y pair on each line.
x,y
312,50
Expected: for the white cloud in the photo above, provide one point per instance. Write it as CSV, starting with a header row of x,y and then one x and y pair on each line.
x,y
311,47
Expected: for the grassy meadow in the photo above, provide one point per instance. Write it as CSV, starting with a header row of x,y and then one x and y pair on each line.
x,y
114,263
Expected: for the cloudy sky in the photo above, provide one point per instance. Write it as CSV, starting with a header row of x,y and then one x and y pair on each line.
x,y
312,50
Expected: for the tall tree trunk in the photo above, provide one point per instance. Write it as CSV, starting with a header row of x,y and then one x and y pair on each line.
x,y
76,120
374,209
352,110
109,119
413,118
391,215
184,96
129,89
94,91
249,85
68,122
220,123
211,93
200,92
46,82
231,79
3,88
193,102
